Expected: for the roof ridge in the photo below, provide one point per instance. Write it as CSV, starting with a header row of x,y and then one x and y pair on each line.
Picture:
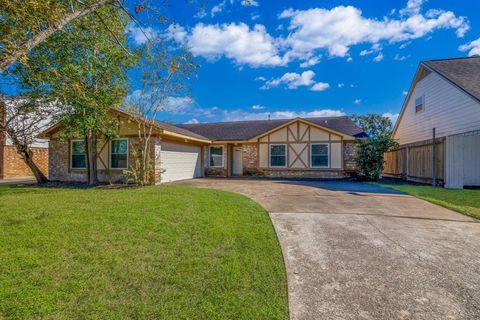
x,y
450,59
258,120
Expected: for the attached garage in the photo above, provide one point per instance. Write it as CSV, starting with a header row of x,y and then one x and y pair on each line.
x,y
179,161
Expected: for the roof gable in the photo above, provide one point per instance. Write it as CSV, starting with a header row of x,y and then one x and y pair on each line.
x,y
463,73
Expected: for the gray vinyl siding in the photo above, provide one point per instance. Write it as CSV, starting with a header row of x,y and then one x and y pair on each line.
x,y
447,108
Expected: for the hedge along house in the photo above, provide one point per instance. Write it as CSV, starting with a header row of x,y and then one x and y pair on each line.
x,y
301,148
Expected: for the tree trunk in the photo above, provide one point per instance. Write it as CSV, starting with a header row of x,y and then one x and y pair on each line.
x,y
25,47
27,156
92,170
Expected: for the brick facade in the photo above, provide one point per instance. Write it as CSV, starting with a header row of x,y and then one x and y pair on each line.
x,y
251,167
14,167
350,152
59,162
309,174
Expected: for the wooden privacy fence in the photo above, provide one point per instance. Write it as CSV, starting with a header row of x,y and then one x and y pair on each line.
x,y
414,162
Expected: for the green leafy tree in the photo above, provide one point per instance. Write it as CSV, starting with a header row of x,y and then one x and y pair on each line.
x,y
84,69
165,74
370,157
27,23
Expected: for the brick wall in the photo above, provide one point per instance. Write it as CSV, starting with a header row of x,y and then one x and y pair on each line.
x,y
59,163
312,174
13,165
250,165
350,152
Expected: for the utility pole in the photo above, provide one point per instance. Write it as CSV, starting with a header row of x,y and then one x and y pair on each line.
x,y
434,161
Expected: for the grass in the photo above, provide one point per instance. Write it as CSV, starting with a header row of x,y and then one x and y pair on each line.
x,y
167,252
464,201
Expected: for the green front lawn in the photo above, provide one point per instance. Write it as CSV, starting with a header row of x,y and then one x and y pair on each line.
x,y
463,201
158,252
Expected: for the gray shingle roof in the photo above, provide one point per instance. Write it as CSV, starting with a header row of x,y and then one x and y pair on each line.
x,y
180,130
463,72
245,130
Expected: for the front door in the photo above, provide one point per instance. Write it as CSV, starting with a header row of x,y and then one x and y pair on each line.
x,y
237,162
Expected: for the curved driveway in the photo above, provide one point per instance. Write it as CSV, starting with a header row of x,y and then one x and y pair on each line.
x,y
357,251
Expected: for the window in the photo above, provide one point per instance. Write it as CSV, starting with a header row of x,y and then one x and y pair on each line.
x,y
216,156
278,155
78,154
119,154
319,155
419,104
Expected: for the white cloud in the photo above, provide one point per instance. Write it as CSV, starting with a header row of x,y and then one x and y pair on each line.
x,y
200,14
238,42
357,101
339,28
365,52
399,57
177,33
192,121
293,80
235,115
341,85
217,8
312,31
404,92
141,35
320,86
258,107
255,17
260,78
252,3
173,105
310,62
178,105
392,116
473,47
413,7
379,57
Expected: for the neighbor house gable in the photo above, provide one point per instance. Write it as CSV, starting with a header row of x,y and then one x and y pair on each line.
x,y
446,107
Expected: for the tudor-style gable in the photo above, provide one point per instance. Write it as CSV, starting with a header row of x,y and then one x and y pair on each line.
x,y
302,143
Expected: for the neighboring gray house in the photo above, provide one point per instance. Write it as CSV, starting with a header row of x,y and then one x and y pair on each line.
x,y
445,95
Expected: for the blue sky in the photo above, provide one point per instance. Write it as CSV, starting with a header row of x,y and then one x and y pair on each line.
x,y
312,58
285,59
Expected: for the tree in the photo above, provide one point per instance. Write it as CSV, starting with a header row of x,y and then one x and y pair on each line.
x,y
26,24
164,73
374,125
84,68
370,157
22,121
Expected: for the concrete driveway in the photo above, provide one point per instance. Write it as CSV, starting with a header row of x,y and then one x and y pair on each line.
x,y
357,251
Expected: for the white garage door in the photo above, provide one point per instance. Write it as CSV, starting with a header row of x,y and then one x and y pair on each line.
x,y
179,161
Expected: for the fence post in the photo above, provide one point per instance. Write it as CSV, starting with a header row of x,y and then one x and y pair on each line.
x,y
434,161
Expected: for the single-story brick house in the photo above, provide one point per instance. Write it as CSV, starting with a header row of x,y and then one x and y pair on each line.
x,y
300,147
11,163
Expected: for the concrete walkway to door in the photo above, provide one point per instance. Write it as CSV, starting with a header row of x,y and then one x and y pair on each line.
x,y
358,251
